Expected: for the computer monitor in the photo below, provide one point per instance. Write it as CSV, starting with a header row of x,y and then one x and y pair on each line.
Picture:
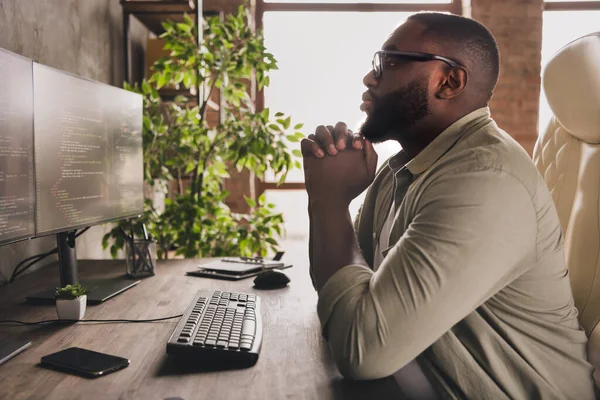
x,y
88,164
17,197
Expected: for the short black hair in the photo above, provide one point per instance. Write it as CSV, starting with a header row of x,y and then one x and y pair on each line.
x,y
473,38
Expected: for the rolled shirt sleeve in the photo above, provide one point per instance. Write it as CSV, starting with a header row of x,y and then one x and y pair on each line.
x,y
469,233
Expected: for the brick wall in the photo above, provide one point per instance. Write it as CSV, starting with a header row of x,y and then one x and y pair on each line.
x,y
517,26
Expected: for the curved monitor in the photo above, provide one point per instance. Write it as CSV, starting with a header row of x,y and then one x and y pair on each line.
x,y
88,151
17,197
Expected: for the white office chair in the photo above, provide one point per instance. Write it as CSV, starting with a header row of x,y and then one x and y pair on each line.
x,y
568,156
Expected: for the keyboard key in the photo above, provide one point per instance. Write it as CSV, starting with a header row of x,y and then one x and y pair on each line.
x,y
249,327
245,346
210,342
183,340
222,343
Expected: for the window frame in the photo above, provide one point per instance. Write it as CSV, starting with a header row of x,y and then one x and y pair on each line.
x,y
571,5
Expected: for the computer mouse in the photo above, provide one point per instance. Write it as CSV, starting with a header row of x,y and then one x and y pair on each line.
x,y
271,279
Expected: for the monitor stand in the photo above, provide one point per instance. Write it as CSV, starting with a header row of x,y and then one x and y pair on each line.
x,y
100,290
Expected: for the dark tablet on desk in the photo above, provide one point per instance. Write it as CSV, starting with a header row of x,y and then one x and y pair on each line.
x,y
209,273
240,265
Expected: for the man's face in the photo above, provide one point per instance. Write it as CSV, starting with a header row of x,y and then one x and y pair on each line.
x,y
399,98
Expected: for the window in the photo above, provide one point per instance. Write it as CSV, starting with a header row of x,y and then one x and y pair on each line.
x,y
559,29
320,74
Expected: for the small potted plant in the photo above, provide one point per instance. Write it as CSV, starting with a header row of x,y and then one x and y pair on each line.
x,y
71,301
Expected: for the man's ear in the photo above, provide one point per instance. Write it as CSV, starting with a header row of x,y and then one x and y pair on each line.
x,y
452,83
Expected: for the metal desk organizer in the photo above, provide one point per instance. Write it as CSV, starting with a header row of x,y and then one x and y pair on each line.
x,y
140,255
141,258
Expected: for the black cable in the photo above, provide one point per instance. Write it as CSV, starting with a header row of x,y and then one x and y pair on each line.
x,y
14,273
38,258
54,321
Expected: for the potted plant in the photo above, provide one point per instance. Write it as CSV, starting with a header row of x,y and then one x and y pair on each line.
x,y
188,155
71,301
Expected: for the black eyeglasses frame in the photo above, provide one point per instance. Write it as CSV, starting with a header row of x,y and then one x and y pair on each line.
x,y
379,56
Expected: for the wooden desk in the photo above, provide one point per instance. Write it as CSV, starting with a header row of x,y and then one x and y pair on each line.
x,y
294,362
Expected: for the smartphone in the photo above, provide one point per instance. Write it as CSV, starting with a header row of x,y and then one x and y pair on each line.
x,y
84,362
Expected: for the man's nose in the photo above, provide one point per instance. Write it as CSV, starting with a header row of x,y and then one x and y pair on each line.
x,y
369,80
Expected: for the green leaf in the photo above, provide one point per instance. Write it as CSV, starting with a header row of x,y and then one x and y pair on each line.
x,y
298,126
161,81
250,201
297,153
184,27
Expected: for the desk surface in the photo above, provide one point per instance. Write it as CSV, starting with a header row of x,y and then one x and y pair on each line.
x,y
294,362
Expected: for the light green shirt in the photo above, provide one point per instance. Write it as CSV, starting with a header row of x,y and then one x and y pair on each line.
x,y
474,284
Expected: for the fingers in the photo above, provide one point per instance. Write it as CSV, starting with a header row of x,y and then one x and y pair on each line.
x,y
331,139
358,141
309,146
370,157
341,135
324,137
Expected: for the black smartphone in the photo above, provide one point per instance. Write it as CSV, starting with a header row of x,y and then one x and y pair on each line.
x,y
84,362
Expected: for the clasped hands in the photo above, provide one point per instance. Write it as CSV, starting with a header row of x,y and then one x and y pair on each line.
x,y
338,165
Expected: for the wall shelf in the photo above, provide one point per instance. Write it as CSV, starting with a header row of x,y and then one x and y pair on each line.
x,y
152,13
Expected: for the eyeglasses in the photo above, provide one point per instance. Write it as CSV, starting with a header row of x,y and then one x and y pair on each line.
x,y
380,57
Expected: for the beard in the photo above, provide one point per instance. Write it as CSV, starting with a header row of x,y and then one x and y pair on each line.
x,y
395,113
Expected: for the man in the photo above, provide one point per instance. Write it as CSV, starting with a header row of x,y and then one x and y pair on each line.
x,y
455,280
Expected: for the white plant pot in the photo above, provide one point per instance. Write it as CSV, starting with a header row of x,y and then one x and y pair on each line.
x,y
71,309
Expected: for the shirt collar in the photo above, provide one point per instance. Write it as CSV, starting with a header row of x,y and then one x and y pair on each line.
x,y
440,145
